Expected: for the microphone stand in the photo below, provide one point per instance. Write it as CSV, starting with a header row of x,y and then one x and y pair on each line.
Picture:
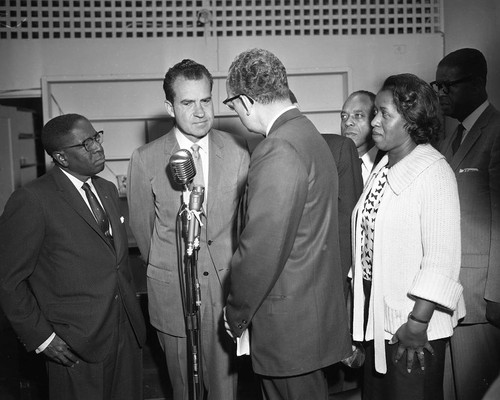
x,y
192,291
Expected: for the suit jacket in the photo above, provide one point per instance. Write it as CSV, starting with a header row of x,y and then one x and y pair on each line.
x,y
477,168
286,278
154,201
59,272
350,187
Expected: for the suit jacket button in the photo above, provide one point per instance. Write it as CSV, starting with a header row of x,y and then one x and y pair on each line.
x,y
244,321
205,273
240,326
209,242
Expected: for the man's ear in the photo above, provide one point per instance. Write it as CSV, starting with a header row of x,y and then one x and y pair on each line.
x,y
170,108
60,158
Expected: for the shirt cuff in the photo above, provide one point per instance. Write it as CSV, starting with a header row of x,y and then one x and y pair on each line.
x,y
44,345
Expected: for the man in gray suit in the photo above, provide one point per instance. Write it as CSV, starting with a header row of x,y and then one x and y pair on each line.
x,y
473,151
286,277
154,201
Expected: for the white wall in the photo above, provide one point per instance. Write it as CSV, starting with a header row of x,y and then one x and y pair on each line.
x,y
369,59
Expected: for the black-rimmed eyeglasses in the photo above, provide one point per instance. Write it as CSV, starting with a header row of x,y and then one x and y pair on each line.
x,y
89,142
228,101
445,85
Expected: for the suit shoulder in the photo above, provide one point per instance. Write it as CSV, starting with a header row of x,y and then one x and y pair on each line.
x,y
104,182
233,140
335,140
155,146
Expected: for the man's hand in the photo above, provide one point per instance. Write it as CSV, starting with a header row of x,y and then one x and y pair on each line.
x,y
59,351
412,338
228,328
493,313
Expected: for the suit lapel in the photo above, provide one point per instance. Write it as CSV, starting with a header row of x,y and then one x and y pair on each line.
x,y
113,215
471,138
170,145
70,194
215,171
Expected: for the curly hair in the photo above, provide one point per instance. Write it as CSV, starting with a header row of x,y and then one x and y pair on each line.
x,y
58,127
417,102
259,74
187,69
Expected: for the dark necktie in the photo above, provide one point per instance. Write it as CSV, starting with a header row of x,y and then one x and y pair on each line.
x,y
100,215
458,139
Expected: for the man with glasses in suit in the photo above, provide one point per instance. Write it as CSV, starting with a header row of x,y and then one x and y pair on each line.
x,y
66,286
473,151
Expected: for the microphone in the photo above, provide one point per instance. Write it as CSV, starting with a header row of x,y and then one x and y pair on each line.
x,y
194,222
182,166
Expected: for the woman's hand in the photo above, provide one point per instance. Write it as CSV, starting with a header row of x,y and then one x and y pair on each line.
x,y
412,338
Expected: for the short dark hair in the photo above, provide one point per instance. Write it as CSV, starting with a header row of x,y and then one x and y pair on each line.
x,y
56,129
187,69
368,94
259,74
468,61
418,103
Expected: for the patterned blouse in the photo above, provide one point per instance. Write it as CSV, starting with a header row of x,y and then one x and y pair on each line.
x,y
368,216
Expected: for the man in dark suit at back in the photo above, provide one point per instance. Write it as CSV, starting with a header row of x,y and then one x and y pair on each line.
x,y
65,282
473,151
286,278
350,188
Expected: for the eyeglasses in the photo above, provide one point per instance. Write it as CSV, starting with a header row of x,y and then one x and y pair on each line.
x,y
89,142
445,86
230,99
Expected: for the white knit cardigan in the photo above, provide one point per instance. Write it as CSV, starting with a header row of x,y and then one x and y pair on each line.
x,y
416,250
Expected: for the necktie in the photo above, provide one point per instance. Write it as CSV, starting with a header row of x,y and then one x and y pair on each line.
x,y
99,214
458,139
198,178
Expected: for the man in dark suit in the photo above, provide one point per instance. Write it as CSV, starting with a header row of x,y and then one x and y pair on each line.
x,y
286,278
66,286
357,113
350,188
154,200
473,151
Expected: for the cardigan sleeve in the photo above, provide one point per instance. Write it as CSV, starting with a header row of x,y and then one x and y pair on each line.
x,y
437,280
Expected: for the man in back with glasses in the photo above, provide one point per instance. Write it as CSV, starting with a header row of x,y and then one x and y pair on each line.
x,y
65,283
473,151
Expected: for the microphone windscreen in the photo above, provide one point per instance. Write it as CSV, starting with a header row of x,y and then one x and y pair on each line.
x,y
182,166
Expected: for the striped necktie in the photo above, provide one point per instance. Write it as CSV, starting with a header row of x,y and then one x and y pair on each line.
x,y
99,214
458,139
198,178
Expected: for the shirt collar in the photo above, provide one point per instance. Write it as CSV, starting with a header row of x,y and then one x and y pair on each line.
x,y
185,143
469,122
270,125
77,182
369,157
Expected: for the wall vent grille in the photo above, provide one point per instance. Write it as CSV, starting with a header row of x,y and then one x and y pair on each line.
x,y
103,19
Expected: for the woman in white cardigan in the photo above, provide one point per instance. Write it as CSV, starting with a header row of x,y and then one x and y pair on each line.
x,y
406,257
